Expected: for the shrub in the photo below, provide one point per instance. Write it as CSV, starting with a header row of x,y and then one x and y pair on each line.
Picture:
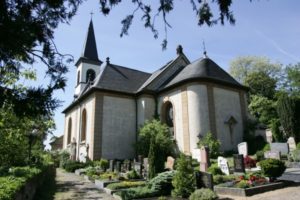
x,y
215,170
162,183
125,184
298,146
243,184
133,175
107,175
137,193
272,167
26,172
64,156
162,198
212,143
71,165
103,164
184,179
267,147
203,194
260,155
249,162
9,186
218,179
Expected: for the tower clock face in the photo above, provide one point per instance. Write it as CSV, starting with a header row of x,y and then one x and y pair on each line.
x,y
169,115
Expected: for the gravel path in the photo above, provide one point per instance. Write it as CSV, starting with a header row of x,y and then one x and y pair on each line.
x,y
73,187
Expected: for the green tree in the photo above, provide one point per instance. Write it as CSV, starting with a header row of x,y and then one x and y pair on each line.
x,y
27,38
156,143
241,67
292,80
184,179
261,84
263,109
288,111
212,143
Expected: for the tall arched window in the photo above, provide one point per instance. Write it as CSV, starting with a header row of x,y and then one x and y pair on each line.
x,y
90,75
83,125
69,131
168,114
78,77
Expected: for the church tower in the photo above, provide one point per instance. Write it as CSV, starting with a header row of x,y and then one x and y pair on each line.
x,y
88,65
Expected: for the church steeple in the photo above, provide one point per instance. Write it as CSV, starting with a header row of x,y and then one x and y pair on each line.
x,y
89,53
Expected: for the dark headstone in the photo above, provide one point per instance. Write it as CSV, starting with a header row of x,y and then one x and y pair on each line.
x,y
238,163
205,180
111,165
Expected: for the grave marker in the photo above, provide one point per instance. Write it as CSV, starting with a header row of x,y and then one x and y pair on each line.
x,y
272,154
204,163
170,163
205,180
291,143
283,148
243,148
238,163
223,165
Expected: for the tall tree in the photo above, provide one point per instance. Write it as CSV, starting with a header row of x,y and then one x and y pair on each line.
x,y
292,80
26,36
242,67
261,84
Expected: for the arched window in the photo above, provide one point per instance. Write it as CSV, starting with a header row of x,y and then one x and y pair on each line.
x,y
167,114
90,75
78,77
69,131
83,125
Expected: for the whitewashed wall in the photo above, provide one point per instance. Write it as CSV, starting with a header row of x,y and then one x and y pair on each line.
x,y
227,103
198,113
146,109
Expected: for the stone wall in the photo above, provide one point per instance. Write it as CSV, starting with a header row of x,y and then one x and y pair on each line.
x,y
118,127
146,109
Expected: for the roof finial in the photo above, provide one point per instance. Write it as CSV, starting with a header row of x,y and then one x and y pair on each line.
x,y
179,49
91,14
204,50
107,61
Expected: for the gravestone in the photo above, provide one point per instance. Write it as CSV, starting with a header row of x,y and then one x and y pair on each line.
x,y
291,143
223,165
205,180
196,154
272,154
204,163
145,167
283,148
111,165
243,148
170,163
269,136
238,163
138,167
118,166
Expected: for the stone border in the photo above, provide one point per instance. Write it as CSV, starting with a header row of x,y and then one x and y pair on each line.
x,y
248,191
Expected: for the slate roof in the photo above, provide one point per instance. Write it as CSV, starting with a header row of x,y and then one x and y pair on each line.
x,y
120,79
203,68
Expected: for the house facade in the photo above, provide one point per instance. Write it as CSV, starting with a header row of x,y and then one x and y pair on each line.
x,y
111,102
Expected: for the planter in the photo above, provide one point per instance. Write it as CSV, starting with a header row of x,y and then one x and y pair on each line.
x,y
101,184
248,191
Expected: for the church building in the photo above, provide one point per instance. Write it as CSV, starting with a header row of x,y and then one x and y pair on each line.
x,y
111,102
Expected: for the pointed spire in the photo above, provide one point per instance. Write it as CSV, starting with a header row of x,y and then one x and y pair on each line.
x,y
89,52
90,48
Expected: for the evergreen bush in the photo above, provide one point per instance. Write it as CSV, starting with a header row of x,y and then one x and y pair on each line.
x,y
203,194
184,179
215,170
272,167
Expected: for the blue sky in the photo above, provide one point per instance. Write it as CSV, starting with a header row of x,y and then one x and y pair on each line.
x,y
263,28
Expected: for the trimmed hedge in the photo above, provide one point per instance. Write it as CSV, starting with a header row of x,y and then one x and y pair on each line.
x,y
125,184
10,186
272,167
203,194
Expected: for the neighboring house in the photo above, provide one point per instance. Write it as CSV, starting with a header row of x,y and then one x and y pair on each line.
x,y
57,143
112,102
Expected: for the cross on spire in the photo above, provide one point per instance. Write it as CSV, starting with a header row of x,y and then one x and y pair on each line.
x,y
91,13
204,49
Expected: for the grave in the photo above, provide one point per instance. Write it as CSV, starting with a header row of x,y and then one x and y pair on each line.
x,y
196,154
283,148
118,166
223,165
205,180
111,165
138,167
291,143
238,163
204,163
243,148
145,167
170,163
272,154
